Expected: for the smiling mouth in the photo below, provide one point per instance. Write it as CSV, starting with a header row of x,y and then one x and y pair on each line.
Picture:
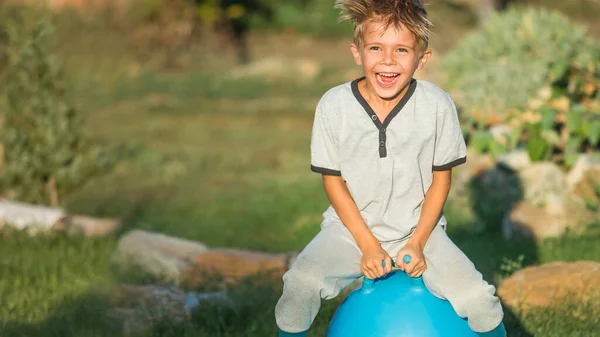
x,y
387,80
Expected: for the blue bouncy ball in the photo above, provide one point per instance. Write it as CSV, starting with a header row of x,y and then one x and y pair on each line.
x,y
396,305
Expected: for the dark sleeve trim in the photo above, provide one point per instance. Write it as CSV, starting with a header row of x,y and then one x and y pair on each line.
x,y
450,165
325,171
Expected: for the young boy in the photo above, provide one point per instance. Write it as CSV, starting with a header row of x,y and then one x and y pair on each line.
x,y
385,145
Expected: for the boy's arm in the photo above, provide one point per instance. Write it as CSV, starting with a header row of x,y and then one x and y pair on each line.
x,y
346,209
432,208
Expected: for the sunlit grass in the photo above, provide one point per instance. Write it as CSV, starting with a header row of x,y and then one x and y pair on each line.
x,y
223,160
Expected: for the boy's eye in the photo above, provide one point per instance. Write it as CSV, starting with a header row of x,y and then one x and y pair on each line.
x,y
403,50
374,48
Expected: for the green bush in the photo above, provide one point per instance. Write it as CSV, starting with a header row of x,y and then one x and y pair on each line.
x,y
45,155
536,71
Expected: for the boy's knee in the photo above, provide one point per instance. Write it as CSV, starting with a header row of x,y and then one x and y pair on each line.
x,y
297,280
481,306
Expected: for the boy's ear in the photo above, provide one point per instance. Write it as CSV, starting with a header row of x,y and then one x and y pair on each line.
x,y
355,53
424,58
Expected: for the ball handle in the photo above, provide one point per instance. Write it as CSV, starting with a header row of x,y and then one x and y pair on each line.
x,y
369,284
406,260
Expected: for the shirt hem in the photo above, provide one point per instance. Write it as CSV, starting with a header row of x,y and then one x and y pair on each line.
x,y
450,165
325,171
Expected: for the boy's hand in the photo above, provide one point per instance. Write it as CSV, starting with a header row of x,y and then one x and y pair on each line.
x,y
371,264
417,265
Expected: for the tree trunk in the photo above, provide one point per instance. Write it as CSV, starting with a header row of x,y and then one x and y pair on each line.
x,y
1,157
53,191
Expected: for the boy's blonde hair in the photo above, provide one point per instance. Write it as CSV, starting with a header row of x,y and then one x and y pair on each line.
x,y
410,13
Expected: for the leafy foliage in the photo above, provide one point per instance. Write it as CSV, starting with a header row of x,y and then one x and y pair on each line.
x,y
44,153
535,71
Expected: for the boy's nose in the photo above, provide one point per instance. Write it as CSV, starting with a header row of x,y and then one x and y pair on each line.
x,y
388,59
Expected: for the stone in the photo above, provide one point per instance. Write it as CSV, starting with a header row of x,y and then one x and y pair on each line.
x,y
234,264
531,221
33,218
92,227
157,254
589,186
463,175
543,180
515,160
140,308
559,214
476,165
195,301
584,163
551,285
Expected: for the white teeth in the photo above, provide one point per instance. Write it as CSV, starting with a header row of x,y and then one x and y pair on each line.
x,y
388,74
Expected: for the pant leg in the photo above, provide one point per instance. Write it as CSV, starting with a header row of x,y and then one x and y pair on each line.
x,y
328,264
451,275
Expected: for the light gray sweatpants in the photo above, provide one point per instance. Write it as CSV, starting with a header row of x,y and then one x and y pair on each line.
x,y
331,262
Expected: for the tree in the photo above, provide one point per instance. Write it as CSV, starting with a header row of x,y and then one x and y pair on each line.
x,y
45,154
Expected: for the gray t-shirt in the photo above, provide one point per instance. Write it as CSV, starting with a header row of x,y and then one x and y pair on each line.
x,y
388,166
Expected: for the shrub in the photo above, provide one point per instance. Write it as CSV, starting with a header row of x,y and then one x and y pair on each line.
x,y
45,154
534,70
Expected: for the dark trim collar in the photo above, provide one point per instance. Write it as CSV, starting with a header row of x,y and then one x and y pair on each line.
x,y
382,127
412,85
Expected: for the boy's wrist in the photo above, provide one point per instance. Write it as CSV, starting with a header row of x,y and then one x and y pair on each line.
x,y
417,241
368,243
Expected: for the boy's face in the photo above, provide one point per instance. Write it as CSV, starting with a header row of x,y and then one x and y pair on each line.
x,y
389,58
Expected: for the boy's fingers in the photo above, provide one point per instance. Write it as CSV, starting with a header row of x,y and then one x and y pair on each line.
x,y
369,271
381,269
419,271
388,264
372,274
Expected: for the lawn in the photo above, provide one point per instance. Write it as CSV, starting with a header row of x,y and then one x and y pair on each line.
x,y
208,154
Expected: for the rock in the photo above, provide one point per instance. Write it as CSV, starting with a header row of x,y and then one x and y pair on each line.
x,y
462,176
538,223
516,160
34,218
543,180
476,165
531,221
584,163
589,187
158,254
92,227
140,308
195,301
551,284
233,265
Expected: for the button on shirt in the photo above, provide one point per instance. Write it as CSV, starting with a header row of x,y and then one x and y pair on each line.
x,y
387,165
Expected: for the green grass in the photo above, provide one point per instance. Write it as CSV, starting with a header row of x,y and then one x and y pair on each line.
x,y
224,161
53,286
